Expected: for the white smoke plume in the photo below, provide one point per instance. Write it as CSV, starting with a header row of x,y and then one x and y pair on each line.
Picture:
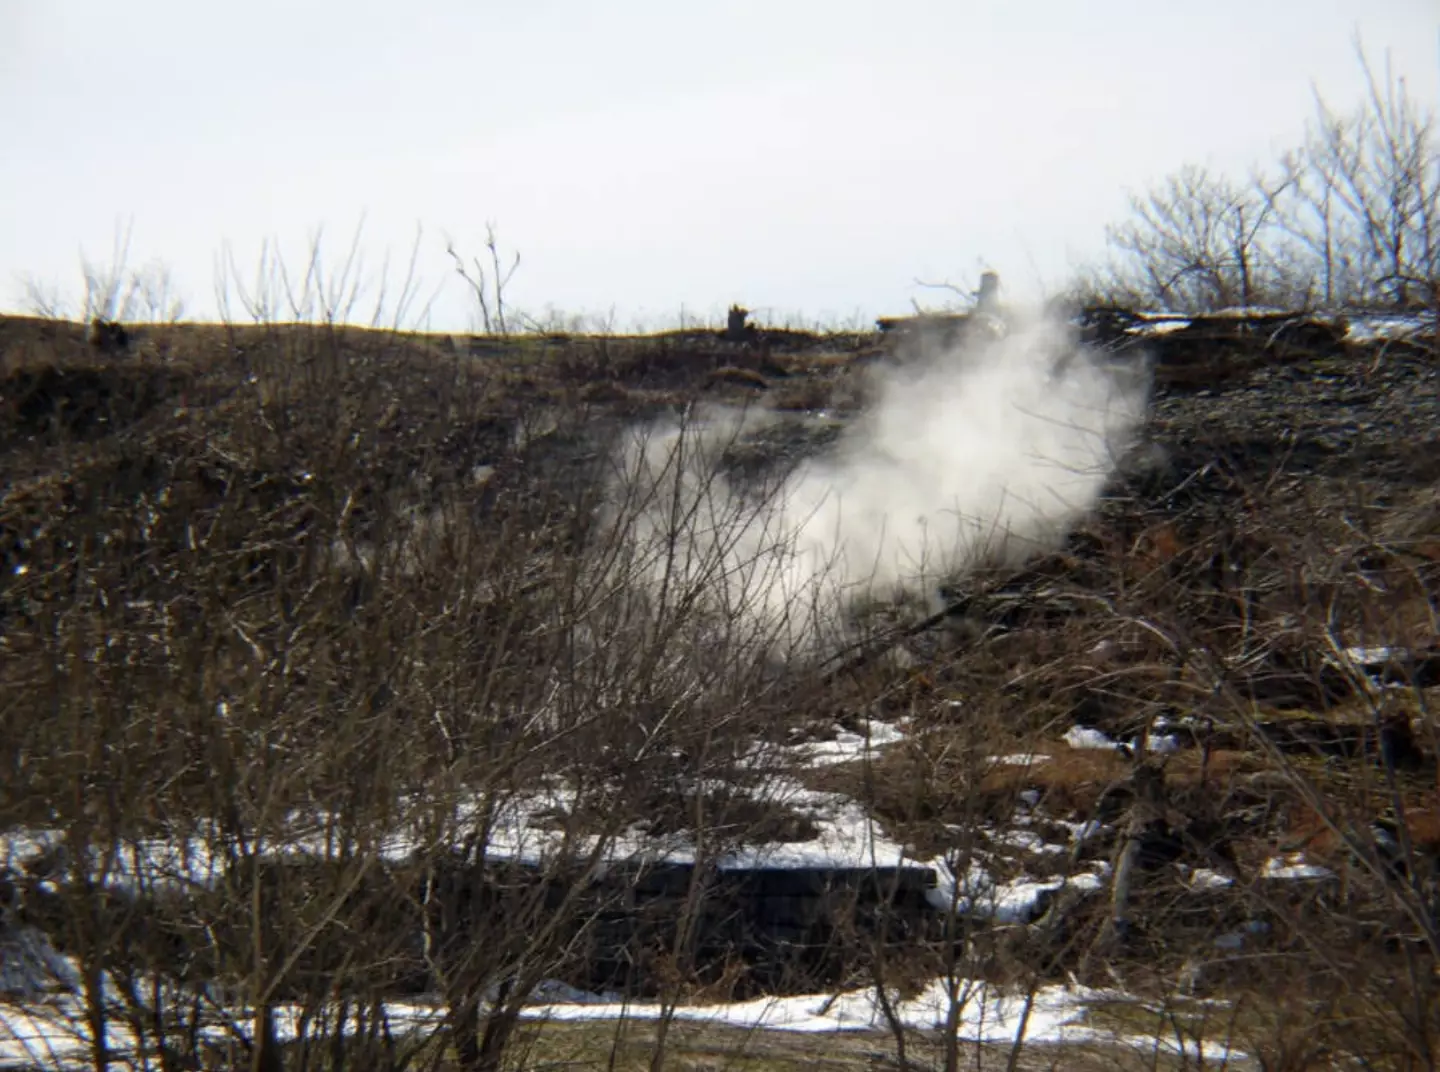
x,y
969,457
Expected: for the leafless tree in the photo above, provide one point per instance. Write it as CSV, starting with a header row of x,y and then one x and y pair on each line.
x,y
1351,218
1199,241
1365,204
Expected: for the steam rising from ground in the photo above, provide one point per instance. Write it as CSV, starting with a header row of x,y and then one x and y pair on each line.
x,y
975,456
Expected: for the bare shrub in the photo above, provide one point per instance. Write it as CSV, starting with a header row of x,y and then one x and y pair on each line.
x,y
115,291
314,719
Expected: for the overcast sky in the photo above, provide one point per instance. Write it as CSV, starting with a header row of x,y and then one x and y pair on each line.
x,y
810,158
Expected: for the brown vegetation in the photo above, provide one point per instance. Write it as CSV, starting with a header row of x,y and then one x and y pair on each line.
x,y
333,607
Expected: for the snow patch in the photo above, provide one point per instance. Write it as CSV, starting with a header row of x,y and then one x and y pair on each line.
x,y
55,1035
1159,326
1017,759
1369,656
848,837
988,1014
977,894
1082,831
848,746
1247,312
1203,878
1025,841
1164,743
1293,866
1379,328
1087,738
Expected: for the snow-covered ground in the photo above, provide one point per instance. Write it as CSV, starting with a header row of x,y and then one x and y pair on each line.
x,y
847,746
42,1023
987,1014
53,1033
524,828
